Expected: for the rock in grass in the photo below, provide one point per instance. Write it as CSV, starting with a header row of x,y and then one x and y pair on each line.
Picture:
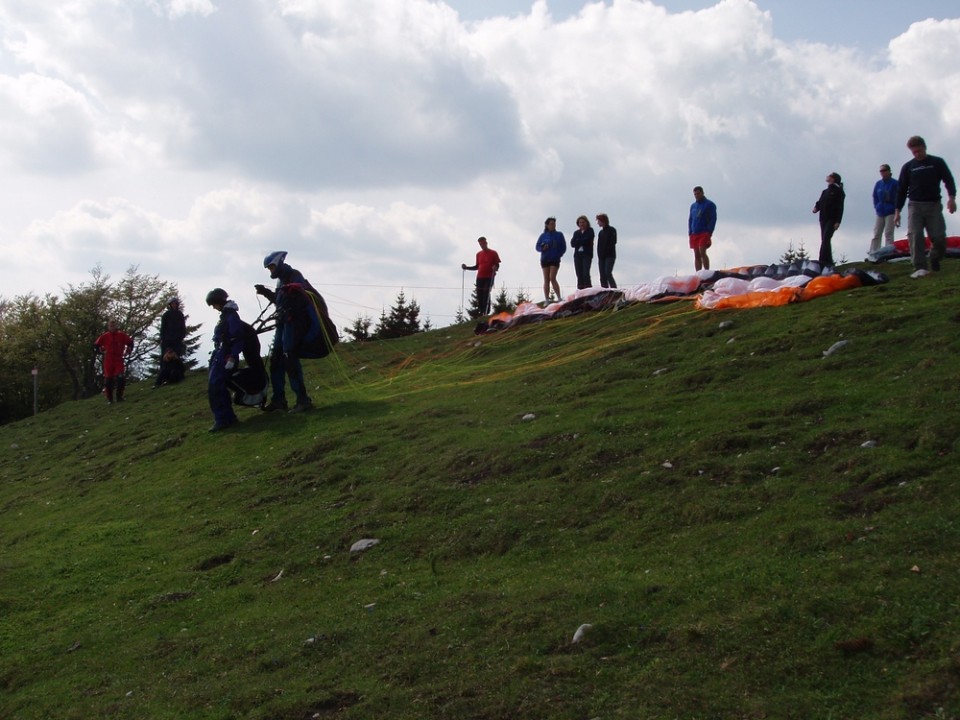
x,y
365,544
581,633
835,348
528,417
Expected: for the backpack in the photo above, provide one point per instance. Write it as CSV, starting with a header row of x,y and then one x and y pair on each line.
x,y
306,310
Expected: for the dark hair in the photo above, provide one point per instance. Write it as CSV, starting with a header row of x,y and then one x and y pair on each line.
x,y
547,221
836,177
698,188
916,141
603,216
217,296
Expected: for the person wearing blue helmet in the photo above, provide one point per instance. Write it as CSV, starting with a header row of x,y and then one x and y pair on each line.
x,y
284,355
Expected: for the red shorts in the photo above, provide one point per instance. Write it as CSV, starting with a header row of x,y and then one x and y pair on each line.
x,y
700,241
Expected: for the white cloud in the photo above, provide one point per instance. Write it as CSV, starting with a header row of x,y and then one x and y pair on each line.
x,y
47,126
375,141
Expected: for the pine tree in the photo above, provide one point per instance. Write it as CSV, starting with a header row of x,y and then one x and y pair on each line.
x,y
501,303
403,320
791,256
473,310
360,331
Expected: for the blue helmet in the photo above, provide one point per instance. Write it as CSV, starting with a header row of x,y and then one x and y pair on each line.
x,y
276,259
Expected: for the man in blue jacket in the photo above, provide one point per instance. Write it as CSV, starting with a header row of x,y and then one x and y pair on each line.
x,y
920,180
700,226
885,204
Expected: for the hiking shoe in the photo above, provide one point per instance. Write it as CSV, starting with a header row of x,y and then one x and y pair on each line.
x,y
275,405
922,272
302,406
217,427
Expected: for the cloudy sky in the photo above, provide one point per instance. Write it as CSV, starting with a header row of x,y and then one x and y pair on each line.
x,y
375,140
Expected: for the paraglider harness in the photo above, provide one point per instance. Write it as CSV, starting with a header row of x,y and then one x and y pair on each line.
x,y
249,384
304,309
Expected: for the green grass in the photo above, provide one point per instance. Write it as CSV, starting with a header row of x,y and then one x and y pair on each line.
x,y
700,496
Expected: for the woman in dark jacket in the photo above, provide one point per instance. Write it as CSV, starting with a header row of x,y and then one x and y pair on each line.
x,y
582,244
830,207
606,251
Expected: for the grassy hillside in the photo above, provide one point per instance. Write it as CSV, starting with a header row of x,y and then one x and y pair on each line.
x,y
752,530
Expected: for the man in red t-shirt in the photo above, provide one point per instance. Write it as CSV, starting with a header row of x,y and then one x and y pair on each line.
x,y
488,262
114,345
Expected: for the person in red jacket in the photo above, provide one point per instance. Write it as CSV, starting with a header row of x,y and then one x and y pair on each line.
x,y
114,345
487,265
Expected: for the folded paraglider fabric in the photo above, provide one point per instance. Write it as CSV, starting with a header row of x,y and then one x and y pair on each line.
x,y
740,288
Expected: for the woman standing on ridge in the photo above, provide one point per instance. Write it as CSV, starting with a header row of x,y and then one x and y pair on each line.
x,y
551,245
582,244
830,207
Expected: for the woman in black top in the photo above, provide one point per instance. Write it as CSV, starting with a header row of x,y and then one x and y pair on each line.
x,y
830,207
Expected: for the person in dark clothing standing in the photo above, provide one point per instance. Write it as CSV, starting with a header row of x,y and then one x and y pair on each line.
x,y
920,180
830,207
606,251
284,354
173,332
582,244
228,340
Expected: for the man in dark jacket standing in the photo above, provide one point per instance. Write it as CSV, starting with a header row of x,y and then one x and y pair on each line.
x,y
920,180
173,332
606,251
830,207
284,354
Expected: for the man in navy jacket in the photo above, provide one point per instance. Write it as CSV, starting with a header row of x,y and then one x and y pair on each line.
x,y
920,180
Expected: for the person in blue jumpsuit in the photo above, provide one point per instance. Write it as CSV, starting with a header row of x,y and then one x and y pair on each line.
x,y
228,340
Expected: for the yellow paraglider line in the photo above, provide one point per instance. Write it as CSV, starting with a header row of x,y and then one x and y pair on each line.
x,y
465,365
